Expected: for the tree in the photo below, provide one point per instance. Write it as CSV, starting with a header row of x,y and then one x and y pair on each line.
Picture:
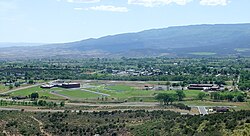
x,y
180,94
11,86
201,95
62,104
240,98
17,84
41,103
215,95
229,97
165,98
31,82
182,85
172,98
34,96
160,97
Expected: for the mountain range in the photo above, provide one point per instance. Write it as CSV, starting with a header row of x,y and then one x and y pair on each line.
x,y
8,44
179,41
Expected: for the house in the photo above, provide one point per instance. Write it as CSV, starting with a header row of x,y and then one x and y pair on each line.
x,y
46,86
63,85
214,88
71,85
206,87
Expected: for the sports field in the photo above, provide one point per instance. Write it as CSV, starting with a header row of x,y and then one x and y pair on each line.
x,y
116,91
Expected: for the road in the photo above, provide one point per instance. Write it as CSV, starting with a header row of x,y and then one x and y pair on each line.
x,y
60,95
126,104
9,99
238,81
9,109
103,94
30,110
202,110
41,126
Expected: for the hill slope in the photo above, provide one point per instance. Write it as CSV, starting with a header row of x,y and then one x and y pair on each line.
x,y
195,40
172,37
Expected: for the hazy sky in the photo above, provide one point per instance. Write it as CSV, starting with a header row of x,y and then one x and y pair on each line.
x,y
50,21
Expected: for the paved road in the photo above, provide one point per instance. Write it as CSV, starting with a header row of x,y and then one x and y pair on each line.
x,y
9,109
103,94
58,94
126,104
30,110
202,110
9,99
238,81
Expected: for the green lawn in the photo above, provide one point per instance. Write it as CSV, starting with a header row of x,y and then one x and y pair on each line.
x,y
28,91
46,92
120,88
40,91
120,92
203,53
126,92
78,94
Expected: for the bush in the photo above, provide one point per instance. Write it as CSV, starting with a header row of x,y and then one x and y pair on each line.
x,y
182,106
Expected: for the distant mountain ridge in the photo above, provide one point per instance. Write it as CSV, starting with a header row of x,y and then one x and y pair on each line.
x,y
172,37
8,44
183,41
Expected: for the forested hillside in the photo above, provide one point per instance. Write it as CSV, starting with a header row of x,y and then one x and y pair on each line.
x,y
138,123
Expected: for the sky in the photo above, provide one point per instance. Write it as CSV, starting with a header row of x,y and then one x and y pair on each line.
x,y
59,21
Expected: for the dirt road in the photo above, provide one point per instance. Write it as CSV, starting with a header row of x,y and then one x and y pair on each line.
x,y
41,126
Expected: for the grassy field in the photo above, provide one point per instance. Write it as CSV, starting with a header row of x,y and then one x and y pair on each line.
x,y
78,94
123,92
72,93
127,92
4,88
116,91
40,91
203,53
